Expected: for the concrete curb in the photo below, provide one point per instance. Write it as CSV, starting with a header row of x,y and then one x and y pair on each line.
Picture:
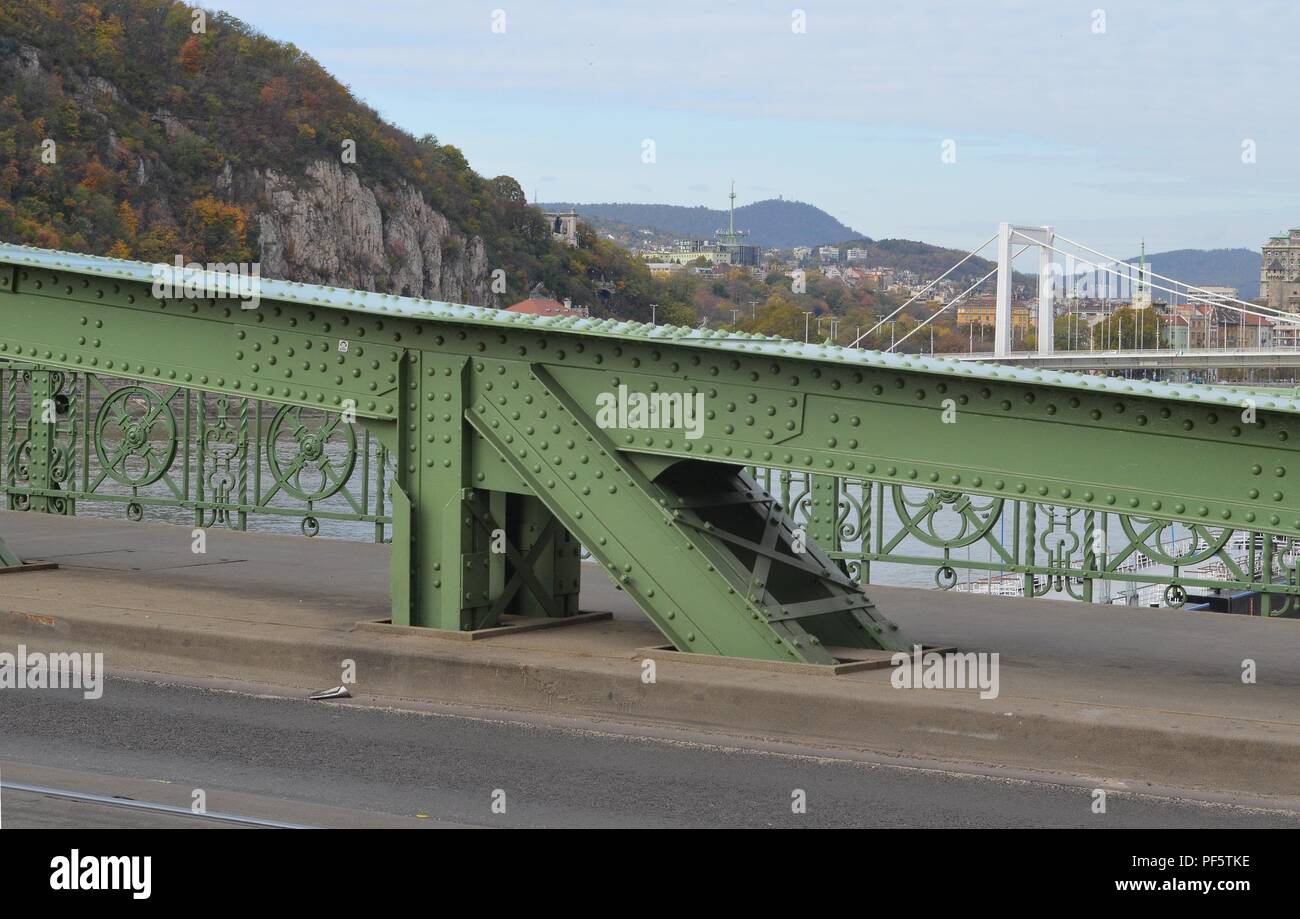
x,y
1118,747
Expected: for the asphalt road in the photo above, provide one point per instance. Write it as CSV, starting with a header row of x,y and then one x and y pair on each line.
x,y
317,763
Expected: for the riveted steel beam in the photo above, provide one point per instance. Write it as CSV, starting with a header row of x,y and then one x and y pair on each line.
x,y
716,574
8,558
413,369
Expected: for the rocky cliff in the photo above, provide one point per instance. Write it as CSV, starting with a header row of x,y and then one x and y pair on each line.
x,y
326,227
139,169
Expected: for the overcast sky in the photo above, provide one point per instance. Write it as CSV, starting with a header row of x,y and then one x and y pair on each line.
x,y
1110,129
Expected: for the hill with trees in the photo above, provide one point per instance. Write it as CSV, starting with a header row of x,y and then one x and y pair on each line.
x,y
148,129
774,223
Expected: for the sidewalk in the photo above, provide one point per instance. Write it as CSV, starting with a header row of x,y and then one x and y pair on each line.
x,y
1112,694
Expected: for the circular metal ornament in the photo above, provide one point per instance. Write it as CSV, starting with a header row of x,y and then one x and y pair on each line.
x,y
946,519
145,444
945,577
310,453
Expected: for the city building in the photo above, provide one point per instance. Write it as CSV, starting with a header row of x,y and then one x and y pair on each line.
x,y
564,227
732,241
539,304
1213,295
1197,325
983,310
1279,273
1285,335
729,248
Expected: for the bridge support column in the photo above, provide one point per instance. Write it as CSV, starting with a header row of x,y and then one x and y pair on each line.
x,y
443,573
464,556
1046,289
1003,319
1002,305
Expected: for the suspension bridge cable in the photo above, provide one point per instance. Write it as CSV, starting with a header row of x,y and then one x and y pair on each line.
x,y
1219,301
1293,319
922,291
941,309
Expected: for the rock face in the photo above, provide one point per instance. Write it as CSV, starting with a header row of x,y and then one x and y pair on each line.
x,y
321,226
326,227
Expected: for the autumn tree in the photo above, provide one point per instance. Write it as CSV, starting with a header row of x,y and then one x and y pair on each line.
x,y
215,232
191,55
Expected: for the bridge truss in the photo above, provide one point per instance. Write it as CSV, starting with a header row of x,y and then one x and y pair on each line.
x,y
502,468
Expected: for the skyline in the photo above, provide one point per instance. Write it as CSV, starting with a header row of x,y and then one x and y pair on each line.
x,y
1111,136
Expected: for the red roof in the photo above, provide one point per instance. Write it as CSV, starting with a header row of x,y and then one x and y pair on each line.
x,y
542,306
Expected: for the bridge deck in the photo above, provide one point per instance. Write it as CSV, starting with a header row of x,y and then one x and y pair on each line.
x,y
506,458
283,610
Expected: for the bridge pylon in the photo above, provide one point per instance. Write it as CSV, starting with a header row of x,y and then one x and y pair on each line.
x,y
1010,236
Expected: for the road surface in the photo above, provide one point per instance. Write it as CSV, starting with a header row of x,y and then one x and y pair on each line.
x,y
288,760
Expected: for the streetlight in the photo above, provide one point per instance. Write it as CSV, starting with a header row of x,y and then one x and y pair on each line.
x,y
652,313
807,315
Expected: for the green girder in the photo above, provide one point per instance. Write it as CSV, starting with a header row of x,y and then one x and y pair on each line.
x,y
455,393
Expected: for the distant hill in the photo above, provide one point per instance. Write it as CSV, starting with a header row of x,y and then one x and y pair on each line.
x,y
1237,268
772,223
925,260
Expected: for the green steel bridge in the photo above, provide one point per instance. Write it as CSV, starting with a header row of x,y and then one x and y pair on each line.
x,y
739,488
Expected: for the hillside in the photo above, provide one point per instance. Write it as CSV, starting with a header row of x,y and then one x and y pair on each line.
x,y
123,131
1237,268
926,260
772,223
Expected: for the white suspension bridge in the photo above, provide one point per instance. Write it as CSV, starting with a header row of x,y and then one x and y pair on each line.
x,y
1075,259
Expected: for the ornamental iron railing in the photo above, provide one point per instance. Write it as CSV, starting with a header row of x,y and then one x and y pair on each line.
x,y
1023,548
168,453
163,452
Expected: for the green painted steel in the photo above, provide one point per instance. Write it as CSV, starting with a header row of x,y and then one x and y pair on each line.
x,y
181,455
8,558
478,408
1024,548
